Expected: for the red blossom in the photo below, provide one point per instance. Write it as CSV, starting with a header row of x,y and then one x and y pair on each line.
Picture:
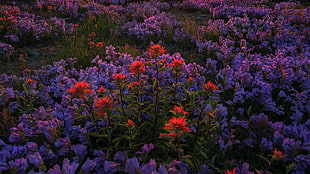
x,y
177,64
29,81
80,89
190,79
156,50
103,105
101,90
277,154
137,67
130,123
231,172
210,86
177,123
119,77
178,110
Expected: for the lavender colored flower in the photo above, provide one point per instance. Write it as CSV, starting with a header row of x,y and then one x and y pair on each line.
x,y
88,166
79,150
36,159
132,166
149,167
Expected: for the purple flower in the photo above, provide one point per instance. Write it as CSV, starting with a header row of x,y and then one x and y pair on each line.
x,y
132,166
19,164
121,156
111,167
69,168
55,170
79,150
88,166
36,159
146,149
149,167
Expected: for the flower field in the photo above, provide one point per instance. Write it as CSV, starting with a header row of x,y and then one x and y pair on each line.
x,y
168,87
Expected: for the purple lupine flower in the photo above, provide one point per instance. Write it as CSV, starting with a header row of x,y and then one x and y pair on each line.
x,y
3,166
19,164
88,166
121,156
245,169
132,166
36,159
69,168
111,167
266,144
149,167
64,145
79,150
205,169
32,146
55,170
146,149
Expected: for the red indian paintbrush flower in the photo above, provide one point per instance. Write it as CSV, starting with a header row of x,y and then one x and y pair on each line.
x,y
177,64
101,90
177,123
137,67
231,172
80,89
103,105
178,110
119,77
277,154
130,123
156,50
210,86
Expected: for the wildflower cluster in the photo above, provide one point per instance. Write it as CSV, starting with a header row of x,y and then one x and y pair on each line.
x,y
242,108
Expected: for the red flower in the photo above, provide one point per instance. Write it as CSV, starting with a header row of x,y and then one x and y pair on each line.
x,y
80,89
49,7
277,154
40,6
29,81
99,44
190,79
119,77
130,123
210,86
177,123
137,67
101,89
231,172
156,50
103,105
178,110
177,64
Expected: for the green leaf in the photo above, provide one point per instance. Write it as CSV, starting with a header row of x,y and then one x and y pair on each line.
x,y
264,158
290,167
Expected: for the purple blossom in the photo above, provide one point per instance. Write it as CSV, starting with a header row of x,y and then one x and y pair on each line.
x,y
36,159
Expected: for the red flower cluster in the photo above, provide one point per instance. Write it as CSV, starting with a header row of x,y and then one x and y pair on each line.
x,y
277,154
210,86
177,123
119,77
137,67
103,105
101,90
130,123
231,172
156,50
177,64
80,89
178,110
